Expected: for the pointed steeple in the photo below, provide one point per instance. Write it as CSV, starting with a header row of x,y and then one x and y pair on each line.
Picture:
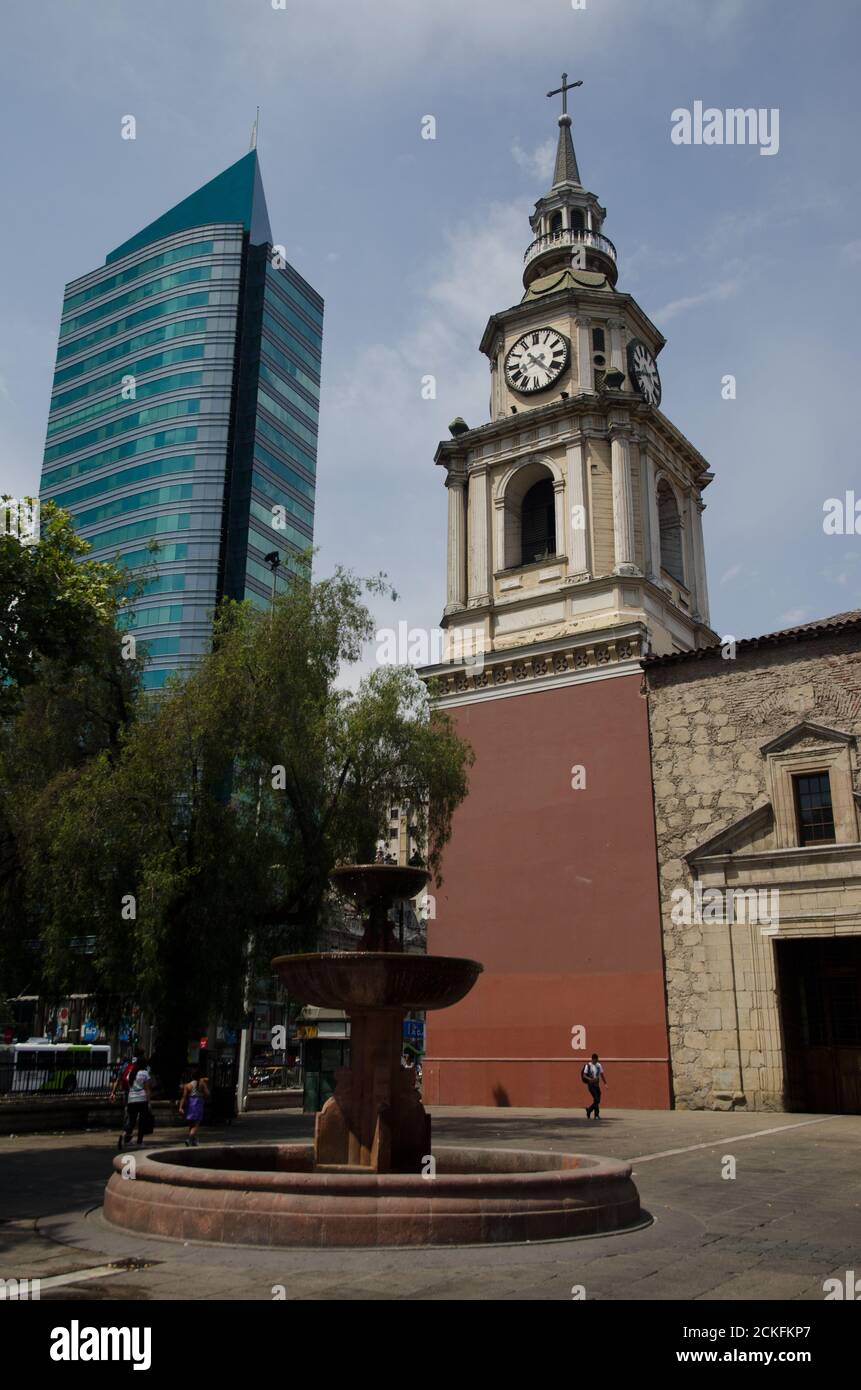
x,y
566,171
569,245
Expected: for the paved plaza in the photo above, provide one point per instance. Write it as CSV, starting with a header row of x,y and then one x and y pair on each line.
x,y
789,1219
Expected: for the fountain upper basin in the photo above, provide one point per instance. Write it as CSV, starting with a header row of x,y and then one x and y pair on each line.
x,y
377,979
368,883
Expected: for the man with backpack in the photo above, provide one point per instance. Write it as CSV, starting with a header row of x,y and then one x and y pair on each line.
x,y
138,1110
592,1076
122,1083
121,1080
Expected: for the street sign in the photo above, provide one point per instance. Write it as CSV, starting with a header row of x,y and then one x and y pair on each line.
x,y
414,1031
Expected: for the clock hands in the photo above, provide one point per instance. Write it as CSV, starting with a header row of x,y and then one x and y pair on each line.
x,y
536,360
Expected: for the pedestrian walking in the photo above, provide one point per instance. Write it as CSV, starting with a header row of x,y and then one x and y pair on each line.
x,y
194,1094
138,1110
593,1076
121,1080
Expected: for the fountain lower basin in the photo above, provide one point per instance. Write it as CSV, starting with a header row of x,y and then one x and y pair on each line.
x,y
359,980
271,1194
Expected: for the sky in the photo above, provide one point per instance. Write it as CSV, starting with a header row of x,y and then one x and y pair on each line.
x,y
748,263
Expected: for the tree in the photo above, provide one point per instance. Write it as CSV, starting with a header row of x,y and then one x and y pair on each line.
x,y
215,821
68,690
54,604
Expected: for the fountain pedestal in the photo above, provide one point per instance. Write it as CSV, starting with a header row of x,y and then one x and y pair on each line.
x,y
375,1119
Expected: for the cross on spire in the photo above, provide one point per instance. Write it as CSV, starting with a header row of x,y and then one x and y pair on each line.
x,y
564,89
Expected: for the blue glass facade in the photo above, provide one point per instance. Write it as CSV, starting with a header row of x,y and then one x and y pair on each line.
x,y
184,413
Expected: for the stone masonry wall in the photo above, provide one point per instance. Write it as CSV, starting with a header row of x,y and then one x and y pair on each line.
x,y
708,721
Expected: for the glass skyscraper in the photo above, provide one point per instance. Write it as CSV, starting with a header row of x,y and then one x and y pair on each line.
x,y
184,412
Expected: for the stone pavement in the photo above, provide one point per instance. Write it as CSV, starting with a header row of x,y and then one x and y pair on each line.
x,y
790,1218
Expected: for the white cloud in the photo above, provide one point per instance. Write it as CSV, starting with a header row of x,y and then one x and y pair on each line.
x,y
378,435
537,162
845,571
793,616
717,294
732,573
477,270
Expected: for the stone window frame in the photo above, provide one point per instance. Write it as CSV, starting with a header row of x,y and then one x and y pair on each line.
x,y
834,758
509,490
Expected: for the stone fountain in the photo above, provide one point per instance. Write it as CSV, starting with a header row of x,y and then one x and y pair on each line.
x,y
371,1176
375,1121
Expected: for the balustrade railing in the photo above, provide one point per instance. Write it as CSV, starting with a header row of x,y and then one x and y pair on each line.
x,y
571,236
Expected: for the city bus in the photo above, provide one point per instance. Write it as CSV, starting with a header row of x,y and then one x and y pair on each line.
x,y
60,1068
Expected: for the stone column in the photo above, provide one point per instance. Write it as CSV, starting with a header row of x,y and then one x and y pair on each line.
x,y
623,505
697,509
617,346
479,583
456,589
578,510
688,552
584,354
559,515
654,550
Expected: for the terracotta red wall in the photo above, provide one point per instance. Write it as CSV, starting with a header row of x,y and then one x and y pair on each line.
x,y
555,892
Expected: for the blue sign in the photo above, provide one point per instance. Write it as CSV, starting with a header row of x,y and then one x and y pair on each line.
x,y
90,1031
414,1032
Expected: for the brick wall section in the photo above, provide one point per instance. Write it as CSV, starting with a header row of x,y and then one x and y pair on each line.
x,y
708,720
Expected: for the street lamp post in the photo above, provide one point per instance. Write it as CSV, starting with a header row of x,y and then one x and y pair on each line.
x,y
246,1037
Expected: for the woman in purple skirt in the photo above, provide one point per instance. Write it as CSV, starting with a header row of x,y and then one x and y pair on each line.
x,y
194,1094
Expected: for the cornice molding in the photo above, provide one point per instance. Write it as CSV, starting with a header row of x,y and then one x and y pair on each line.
x,y
565,660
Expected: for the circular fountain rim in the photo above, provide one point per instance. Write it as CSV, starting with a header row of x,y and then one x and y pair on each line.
x,y
178,1166
176,1196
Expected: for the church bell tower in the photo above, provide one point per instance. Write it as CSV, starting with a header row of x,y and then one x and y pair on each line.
x,y
574,548
575,512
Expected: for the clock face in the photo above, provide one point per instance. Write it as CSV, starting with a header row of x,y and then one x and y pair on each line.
x,y
537,360
643,371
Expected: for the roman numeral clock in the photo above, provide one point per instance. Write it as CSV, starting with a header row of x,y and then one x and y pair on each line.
x,y
643,371
537,360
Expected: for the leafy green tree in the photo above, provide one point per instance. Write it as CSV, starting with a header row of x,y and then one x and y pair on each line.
x,y
201,843
54,605
68,689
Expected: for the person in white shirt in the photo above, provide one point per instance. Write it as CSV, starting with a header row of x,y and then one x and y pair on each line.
x,y
137,1105
593,1076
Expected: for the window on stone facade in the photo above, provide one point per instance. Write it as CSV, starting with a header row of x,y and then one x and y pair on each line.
x,y
556,222
670,526
813,809
538,523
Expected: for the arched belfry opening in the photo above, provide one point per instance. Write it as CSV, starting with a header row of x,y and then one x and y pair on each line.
x,y
538,523
670,524
530,516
